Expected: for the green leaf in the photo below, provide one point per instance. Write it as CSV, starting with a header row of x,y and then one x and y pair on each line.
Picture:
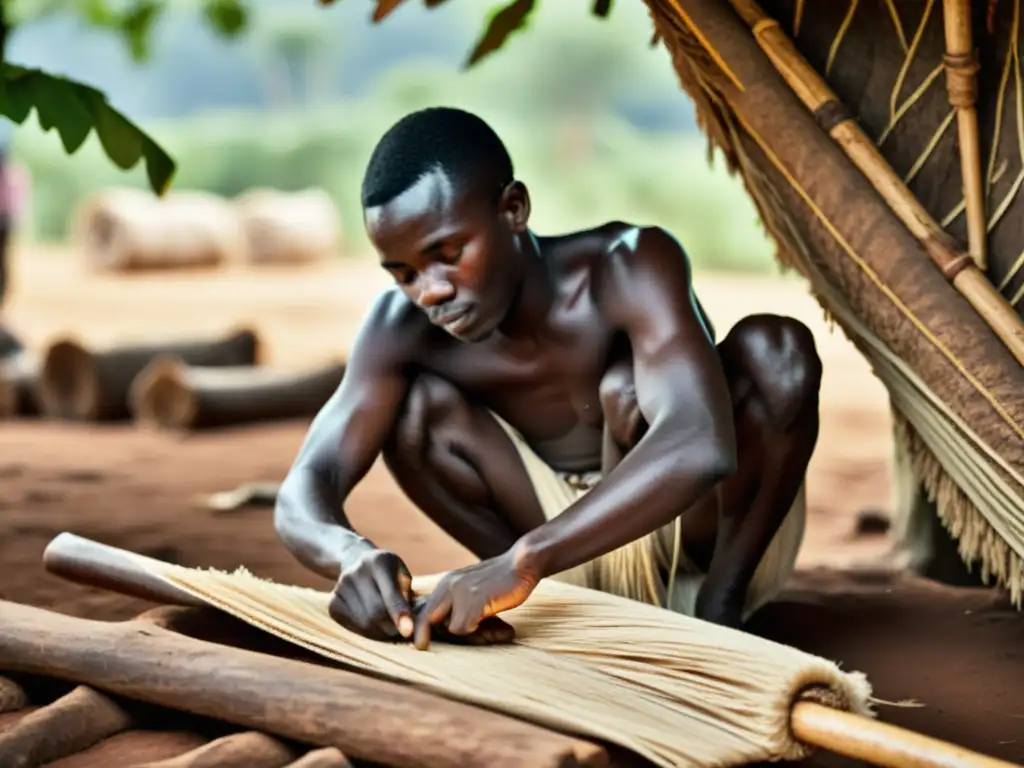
x,y
137,24
503,23
121,140
58,105
602,8
16,98
160,167
228,17
73,109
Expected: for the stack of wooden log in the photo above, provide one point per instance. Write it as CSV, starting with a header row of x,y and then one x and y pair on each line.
x,y
178,384
189,687
129,230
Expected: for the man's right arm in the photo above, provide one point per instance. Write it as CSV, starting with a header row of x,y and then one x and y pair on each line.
x,y
342,443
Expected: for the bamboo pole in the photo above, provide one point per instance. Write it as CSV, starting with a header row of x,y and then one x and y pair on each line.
x,y
961,66
958,267
853,736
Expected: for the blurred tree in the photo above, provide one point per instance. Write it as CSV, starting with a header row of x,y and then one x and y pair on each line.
x,y
296,69
299,48
74,109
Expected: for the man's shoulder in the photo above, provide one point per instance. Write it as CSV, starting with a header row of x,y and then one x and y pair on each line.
x,y
637,252
394,319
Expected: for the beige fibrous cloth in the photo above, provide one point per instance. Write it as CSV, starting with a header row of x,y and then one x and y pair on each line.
x,y
638,569
673,689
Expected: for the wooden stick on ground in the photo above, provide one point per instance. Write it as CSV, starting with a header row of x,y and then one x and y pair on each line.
x,y
851,735
838,122
69,725
363,717
328,757
92,385
170,394
247,749
961,66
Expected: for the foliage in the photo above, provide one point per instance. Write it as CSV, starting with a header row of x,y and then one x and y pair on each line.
x,y
502,22
74,109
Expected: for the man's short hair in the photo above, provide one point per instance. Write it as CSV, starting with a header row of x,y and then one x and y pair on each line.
x,y
453,140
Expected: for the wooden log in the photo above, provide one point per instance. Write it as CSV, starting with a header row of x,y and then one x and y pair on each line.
x,y
248,749
122,230
170,394
19,376
289,227
328,757
364,717
72,723
12,696
80,384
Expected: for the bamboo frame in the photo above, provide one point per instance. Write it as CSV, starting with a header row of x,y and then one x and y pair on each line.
x,y
961,66
958,267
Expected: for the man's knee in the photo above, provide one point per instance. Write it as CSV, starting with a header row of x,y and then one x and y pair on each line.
x,y
779,356
431,404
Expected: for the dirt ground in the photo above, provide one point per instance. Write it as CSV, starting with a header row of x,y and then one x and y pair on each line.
x,y
957,652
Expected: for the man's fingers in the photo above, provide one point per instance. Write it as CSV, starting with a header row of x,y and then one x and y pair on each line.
x,y
464,620
347,609
434,611
395,601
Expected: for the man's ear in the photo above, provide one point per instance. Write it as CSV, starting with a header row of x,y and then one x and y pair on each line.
x,y
515,206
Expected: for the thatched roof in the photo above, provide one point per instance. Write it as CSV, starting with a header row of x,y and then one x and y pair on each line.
x,y
853,126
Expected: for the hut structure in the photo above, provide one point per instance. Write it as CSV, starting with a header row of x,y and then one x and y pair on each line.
x,y
883,144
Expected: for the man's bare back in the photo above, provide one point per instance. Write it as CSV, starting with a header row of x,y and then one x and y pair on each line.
x,y
593,348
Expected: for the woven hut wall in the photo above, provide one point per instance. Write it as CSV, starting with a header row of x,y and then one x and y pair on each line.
x,y
865,268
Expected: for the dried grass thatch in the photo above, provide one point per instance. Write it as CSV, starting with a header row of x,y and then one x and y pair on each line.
x,y
789,117
120,230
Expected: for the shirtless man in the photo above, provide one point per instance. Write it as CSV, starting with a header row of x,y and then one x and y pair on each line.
x,y
580,354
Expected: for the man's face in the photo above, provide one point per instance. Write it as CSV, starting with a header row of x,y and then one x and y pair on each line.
x,y
455,256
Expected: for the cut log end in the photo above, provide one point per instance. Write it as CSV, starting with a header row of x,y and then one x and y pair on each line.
x,y
19,373
12,696
69,382
8,397
161,397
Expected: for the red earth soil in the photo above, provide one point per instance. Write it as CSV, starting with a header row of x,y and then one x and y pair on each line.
x,y
960,653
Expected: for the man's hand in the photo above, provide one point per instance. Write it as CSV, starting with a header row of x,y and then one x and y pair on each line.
x,y
467,600
373,597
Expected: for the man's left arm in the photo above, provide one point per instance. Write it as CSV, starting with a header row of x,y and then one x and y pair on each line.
x,y
681,390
